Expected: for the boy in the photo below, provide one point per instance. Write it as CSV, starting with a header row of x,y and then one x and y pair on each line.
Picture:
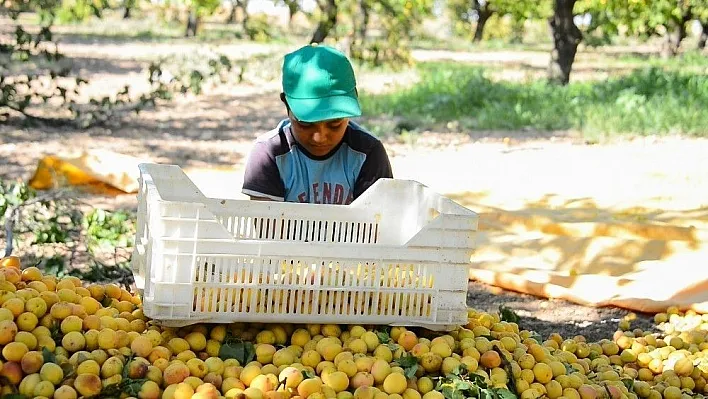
x,y
316,155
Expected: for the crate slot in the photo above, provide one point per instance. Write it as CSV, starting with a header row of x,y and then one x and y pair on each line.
x,y
299,230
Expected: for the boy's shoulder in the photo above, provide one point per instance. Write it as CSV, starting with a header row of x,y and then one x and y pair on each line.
x,y
360,139
274,141
272,134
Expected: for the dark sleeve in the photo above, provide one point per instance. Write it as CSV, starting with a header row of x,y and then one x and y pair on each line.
x,y
261,178
376,166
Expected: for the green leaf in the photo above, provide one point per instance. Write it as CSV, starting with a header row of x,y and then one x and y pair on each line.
x,y
508,315
68,370
242,351
126,368
477,380
536,336
106,302
409,363
458,395
384,334
485,393
448,392
507,367
629,383
439,383
109,391
409,372
460,370
14,396
308,374
48,356
463,385
132,387
503,393
568,368
56,332
407,360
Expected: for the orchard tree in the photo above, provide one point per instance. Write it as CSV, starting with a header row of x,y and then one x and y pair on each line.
x,y
245,18
328,10
398,20
36,80
293,6
72,11
476,13
472,12
128,7
38,83
676,16
522,10
236,5
198,9
647,18
561,18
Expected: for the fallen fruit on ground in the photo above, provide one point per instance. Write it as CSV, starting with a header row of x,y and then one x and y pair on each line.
x,y
63,338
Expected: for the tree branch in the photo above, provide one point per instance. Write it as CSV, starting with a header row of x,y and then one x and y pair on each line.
x,y
41,119
12,213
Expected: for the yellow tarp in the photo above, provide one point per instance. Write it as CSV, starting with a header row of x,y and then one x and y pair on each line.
x,y
110,173
640,259
98,171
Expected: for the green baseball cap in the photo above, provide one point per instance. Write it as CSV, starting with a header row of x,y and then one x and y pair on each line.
x,y
319,84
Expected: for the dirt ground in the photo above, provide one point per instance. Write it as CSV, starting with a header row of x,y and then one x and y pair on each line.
x,y
513,170
546,316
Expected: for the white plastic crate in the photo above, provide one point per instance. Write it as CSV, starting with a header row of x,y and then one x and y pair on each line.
x,y
397,255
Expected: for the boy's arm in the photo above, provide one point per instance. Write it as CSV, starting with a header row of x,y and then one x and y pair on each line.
x,y
261,180
376,166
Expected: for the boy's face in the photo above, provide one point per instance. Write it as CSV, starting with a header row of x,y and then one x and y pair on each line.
x,y
319,138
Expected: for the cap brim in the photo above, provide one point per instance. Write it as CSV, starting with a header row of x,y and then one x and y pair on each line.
x,y
322,109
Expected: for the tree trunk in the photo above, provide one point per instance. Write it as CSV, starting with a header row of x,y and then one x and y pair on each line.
x,y
362,29
517,34
704,35
243,5
244,25
483,14
479,29
673,42
327,20
232,14
128,4
293,8
192,24
566,38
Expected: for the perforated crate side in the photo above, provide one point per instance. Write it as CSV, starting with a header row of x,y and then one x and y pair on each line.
x,y
272,289
156,182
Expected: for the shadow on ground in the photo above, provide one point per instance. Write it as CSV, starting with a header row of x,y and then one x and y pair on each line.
x,y
546,316
213,131
95,65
